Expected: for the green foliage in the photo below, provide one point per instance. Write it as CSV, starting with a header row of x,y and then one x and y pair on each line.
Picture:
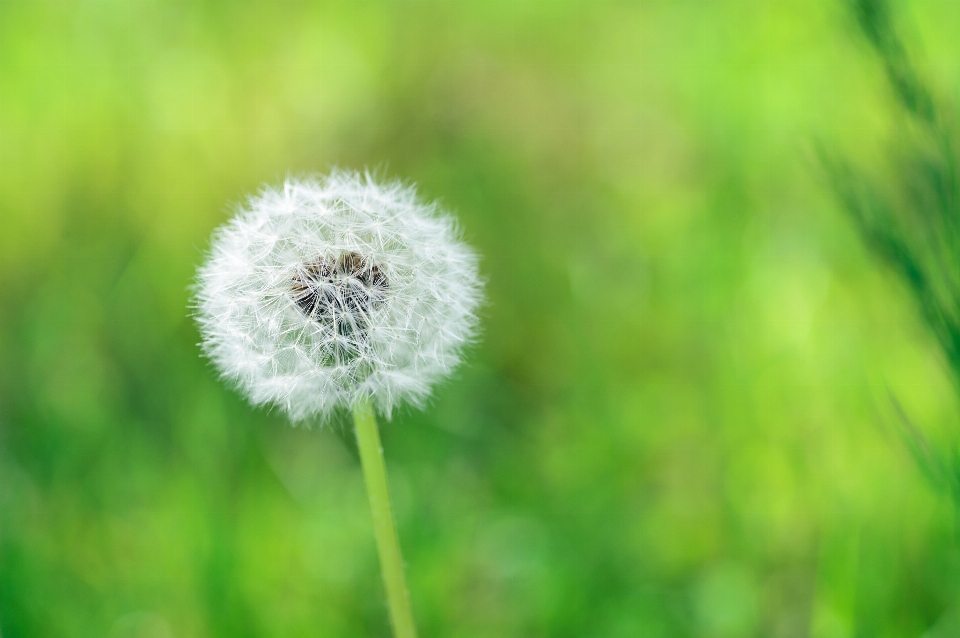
x,y
910,218
875,22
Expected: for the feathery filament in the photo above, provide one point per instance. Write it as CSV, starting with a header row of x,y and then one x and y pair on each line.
x,y
335,289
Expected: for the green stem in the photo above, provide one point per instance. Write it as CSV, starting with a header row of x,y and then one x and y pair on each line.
x,y
375,475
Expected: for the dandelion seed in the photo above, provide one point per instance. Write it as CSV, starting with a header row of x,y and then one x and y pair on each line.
x,y
331,290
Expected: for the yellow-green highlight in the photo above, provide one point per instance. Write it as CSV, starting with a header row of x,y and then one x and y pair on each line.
x,y
384,529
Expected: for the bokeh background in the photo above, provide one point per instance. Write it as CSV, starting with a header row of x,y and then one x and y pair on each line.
x,y
678,422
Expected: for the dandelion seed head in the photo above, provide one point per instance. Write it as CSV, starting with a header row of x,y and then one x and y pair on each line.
x,y
334,289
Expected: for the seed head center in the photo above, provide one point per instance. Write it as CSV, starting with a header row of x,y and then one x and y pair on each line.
x,y
340,290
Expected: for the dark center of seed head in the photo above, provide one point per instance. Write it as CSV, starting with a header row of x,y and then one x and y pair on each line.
x,y
339,290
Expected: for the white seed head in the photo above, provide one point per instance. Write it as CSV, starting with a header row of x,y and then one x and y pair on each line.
x,y
334,289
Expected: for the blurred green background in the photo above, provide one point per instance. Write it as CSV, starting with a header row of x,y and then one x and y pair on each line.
x,y
677,422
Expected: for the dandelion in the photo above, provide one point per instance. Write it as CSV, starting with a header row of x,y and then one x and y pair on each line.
x,y
341,293
325,292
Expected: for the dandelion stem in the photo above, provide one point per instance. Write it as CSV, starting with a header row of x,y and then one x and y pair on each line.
x,y
388,546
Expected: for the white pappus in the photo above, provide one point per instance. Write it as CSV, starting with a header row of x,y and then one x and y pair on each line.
x,y
335,289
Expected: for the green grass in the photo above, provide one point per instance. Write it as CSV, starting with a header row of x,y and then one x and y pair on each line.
x,y
677,422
